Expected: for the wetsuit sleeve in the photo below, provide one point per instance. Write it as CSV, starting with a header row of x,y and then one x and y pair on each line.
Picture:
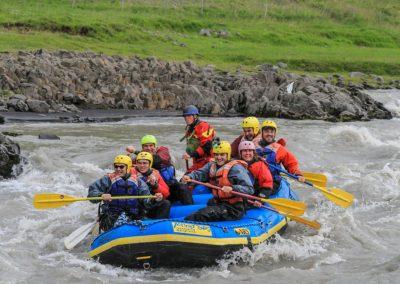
x,y
99,187
264,177
201,174
162,187
288,160
205,134
240,179
235,146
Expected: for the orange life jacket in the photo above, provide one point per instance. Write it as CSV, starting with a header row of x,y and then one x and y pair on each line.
x,y
219,177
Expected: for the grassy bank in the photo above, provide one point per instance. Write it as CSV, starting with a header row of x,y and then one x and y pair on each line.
x,y
309,35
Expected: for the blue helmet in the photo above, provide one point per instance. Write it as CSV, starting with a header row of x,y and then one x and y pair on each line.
x,y
190,110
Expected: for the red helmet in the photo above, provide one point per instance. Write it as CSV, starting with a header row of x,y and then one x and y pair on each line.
x,y
246,145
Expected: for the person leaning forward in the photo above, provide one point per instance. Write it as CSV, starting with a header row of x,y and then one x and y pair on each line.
x,y
122,182
227,174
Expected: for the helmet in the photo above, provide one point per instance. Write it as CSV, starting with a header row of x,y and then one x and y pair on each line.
x,y
223,147
251,122
148,139
246,145
124,159
190,110
145,156
269,123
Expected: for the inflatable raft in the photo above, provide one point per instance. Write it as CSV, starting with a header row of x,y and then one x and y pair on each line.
x,y
177,243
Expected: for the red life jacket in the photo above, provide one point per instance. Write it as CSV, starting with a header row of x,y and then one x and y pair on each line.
x,y
219,177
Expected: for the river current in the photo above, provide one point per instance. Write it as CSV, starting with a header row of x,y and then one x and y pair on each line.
x,y
354,245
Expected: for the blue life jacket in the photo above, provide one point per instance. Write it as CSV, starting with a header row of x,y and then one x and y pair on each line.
x,y
121,187
168,173
270,157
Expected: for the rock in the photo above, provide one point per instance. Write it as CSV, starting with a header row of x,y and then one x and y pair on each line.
x,y
17,105
282,65
2,120
48,136
10,158
356,74
223,33
310,90
12,134
38,106
205,32
18,97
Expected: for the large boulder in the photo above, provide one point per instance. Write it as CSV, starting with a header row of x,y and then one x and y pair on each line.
x,y
10,159
38,106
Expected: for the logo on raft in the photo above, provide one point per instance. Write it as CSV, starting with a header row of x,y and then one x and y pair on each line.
x,y
242,231
192,229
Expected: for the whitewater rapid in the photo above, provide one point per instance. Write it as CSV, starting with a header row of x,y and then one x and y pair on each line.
x,y
358,244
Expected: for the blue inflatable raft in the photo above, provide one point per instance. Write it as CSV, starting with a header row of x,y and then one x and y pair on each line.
x,y
177,243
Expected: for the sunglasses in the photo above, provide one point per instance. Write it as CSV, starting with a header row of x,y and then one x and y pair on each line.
x,y
119,167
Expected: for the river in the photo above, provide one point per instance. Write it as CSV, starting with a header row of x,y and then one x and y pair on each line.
x,y
354,245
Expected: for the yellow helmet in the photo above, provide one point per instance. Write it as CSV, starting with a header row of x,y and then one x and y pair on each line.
x,y
125,160
145,156
269,123
223,147
251,122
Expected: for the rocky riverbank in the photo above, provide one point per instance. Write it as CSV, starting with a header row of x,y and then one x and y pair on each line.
x,y
64,81
10,159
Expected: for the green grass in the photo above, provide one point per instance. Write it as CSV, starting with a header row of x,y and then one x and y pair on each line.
x,y
309,35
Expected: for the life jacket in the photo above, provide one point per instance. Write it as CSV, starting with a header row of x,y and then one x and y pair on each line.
x,y
168,173
219,177
269,154
121,187
192,140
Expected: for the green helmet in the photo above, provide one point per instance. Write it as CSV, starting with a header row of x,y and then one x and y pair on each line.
x,y
148,139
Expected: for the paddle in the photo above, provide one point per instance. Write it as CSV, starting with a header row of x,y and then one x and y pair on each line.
x,y
282,204
311,223
78,235
336,195
316,178
55,200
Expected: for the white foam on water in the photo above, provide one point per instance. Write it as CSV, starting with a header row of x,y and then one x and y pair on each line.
x,y
353,135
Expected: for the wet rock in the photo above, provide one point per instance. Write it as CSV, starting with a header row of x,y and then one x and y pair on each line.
x,y
2,120
38,106
48,136
10,159
17,105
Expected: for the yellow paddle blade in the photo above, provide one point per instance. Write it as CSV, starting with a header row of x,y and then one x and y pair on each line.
x,y
55,200
311,223
51,200
287,206
337,196
316,178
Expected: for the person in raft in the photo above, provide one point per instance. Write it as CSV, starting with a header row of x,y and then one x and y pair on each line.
x,y
160,207
122,182
258,169
275,153
162,163
199,136
251,132
227,174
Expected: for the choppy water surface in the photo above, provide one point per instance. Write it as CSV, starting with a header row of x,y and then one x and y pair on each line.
x,y
360,244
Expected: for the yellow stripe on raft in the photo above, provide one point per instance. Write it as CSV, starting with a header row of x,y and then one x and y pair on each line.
x,y
187,239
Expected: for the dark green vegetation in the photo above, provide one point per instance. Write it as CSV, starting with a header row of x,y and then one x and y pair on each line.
x,y
309,35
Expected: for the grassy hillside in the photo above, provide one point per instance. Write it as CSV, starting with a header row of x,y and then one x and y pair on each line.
x,y
309,35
